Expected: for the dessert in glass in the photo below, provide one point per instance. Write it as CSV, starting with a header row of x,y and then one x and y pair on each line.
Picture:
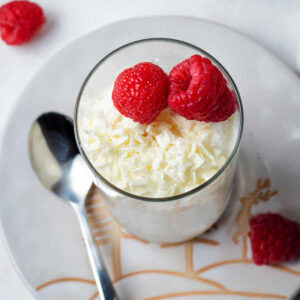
x,y
167,178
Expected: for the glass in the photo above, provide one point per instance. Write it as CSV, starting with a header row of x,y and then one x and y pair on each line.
x,y
171,219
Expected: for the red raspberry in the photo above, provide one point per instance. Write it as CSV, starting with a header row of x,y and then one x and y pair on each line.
x,y
140,92
198,91
20,21
274,239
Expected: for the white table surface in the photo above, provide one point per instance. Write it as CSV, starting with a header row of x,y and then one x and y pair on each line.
x,y
273,23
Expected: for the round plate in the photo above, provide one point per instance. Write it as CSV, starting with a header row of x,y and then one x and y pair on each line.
x,y
42,231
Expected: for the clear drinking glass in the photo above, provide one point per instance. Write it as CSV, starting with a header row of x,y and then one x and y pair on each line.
x,y
171,219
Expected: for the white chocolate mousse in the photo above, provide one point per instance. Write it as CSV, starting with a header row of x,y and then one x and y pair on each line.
x,y
168,157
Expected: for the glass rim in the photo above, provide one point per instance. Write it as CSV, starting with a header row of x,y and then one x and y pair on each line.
x,y
185,194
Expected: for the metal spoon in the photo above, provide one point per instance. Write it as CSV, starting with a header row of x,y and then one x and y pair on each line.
x,y
60,168
296,296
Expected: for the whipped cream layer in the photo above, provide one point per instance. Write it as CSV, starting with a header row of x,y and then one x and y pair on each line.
x,y
168,157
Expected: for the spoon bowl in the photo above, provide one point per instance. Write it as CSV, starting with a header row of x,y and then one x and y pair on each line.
x,y
55,157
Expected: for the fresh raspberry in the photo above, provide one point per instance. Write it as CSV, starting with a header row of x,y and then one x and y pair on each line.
x,y
20,21
140,92
198,91
274,239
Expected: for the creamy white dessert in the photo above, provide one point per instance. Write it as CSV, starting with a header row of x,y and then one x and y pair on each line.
x,y
168,157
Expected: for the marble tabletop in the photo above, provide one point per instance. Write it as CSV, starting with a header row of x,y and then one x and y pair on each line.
x,y
273,23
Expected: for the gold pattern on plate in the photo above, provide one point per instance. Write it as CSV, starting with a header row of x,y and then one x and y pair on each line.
x,y
107,231
261,193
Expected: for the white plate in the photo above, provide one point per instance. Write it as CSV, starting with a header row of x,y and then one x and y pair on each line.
x,y
42,232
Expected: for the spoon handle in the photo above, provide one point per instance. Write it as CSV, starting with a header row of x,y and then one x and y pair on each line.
x,y
103,282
